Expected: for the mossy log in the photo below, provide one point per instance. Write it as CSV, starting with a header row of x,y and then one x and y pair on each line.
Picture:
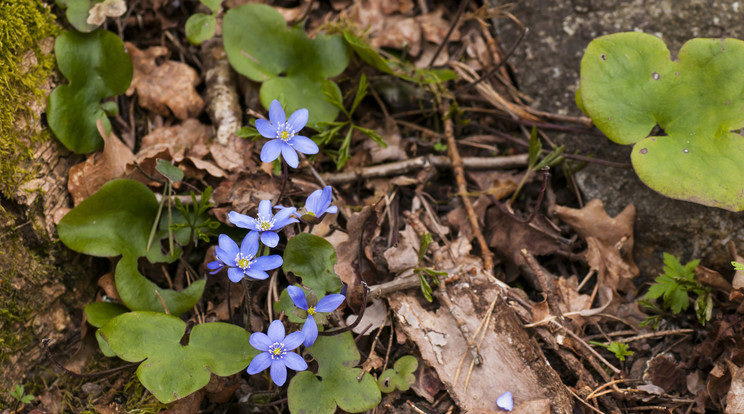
x,y
39,293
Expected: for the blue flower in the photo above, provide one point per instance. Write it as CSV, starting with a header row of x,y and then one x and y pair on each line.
x,y
505,401
275,353
283,135
242,262
267,224
319,202
327,303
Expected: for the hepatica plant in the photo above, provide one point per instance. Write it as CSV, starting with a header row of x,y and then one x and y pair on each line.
x,y
630,84
123,220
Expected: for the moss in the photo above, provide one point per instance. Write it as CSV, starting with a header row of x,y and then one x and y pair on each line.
x,y
24,69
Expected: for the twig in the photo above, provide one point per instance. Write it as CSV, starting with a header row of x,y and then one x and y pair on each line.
x,y
657,334
462,188
418,163
455,23
165,308
497,67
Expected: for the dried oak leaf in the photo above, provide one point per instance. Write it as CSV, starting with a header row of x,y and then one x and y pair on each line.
x,y
164,88
101,167
609,242
400,33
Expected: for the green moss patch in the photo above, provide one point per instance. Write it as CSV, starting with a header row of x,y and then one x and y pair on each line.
x,y
24,69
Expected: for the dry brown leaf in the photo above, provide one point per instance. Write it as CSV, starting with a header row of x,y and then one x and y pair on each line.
x,y
396,6
710,277
611,269
609,242
348,252
164,88
508,237
402,33
435,28
571,300
428,50
243,193
735,396
666,372
101,167
108,8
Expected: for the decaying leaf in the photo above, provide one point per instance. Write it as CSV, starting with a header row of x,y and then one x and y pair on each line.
x,y
108,8
101,167
166,88
609,242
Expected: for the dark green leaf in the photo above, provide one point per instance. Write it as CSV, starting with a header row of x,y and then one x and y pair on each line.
x,y
200,28
97,67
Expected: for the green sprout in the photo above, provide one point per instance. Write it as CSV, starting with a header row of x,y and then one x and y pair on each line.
x,y
620,349
674,287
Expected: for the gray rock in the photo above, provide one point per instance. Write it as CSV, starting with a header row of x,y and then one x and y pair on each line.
x,y
547,69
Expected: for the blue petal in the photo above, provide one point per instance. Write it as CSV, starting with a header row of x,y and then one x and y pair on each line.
x,y
249,245
229,249
298,120
284,213
271,150
505,401
290,155
278,372
295,362
329,303
269,238
303,144
235,275
215,267
310,330
259,363
327,197
293,340
276,331
276,113
260,341
313,202
265,128
267,262
242,221
256,274
298,296
264,210
332,210
222,255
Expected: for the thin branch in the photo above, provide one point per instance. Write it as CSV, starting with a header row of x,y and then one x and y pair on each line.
x,y
462,188
419,163
445,41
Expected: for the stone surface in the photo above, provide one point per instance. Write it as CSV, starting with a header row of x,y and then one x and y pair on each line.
x,y
547,69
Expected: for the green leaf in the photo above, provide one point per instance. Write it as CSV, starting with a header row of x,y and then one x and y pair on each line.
x,y
425,287
535,148
292,67
27,399
99,313
169,171
620,350
170,370
312,258
77,13
372,134
97,67
629,84
400,376
200,27
213,5
361,93
367,53
114,221
336,383
424,245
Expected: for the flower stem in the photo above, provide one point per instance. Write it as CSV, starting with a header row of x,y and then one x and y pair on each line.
x,y
247,304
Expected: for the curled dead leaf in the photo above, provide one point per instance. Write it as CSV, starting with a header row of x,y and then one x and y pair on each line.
x,y
166,88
